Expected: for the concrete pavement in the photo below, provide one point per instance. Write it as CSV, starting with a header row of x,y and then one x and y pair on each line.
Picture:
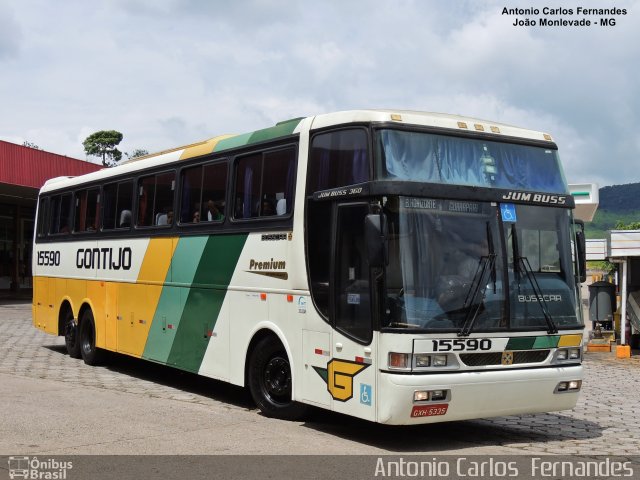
x,y
53,404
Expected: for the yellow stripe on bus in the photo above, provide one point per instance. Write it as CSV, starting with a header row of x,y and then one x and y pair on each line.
x,y
137,302
202,148
570,341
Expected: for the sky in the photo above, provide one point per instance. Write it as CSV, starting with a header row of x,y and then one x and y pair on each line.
x,y
172,72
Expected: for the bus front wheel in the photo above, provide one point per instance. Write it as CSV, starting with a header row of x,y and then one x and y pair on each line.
x,y
270,381
90,353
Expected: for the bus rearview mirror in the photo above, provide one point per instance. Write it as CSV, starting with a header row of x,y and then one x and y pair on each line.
x,y
581,251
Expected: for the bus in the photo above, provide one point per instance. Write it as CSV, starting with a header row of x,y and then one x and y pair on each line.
x,y
397,266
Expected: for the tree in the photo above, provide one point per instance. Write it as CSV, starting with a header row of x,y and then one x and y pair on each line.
x,y
103,144
138,152
29,144
628,226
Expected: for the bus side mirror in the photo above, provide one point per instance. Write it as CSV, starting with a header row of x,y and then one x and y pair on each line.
x,y
375,234
581,252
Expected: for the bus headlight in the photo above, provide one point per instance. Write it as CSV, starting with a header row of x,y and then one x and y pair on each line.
x,y
570,386
574,353
431,395
440,360
568,355
422,360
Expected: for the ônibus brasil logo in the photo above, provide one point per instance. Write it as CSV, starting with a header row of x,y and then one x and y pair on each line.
x,y
33,468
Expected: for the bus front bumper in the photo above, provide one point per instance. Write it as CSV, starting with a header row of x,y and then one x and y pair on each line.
x,y
478,394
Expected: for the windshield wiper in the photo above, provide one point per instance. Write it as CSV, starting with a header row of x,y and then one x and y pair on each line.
x,y
520,262
486,264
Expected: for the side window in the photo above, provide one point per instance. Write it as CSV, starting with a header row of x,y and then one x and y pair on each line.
x,y
338,158
352,292
60,211
265,183
279,180
86,210
191,204
155,199
43,216
214,188
203,193
247,192
116,205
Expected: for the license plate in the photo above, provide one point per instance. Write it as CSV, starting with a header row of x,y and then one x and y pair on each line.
x,y
429,410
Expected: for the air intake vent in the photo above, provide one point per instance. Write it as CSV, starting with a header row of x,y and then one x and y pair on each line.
x,y
495,358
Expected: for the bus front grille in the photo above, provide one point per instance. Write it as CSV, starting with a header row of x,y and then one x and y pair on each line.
x,y
498,358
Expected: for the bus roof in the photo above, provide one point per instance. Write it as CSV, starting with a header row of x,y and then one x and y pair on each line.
x,y
292,126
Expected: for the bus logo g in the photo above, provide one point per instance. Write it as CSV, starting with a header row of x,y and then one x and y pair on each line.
x,y
339,377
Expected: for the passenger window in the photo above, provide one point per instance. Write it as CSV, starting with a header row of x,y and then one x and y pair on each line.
x,y
203,193
155,199
117,203
265,184
60,214
214,187
337,159
86,210
248,175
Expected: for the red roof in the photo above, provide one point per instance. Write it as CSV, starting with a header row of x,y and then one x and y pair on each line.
x,y
29,167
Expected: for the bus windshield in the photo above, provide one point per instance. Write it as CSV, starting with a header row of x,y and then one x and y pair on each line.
x,y
425,157
458,266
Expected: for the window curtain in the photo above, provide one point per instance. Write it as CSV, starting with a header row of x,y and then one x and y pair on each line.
x,y
420,157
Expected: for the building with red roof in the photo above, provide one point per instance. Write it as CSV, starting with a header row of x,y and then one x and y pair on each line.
x,y
23,170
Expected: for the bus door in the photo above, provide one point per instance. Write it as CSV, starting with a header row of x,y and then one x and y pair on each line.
x,y
352,366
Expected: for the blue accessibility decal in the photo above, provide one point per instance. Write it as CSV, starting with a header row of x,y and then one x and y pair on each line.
x,y
508,211
365,394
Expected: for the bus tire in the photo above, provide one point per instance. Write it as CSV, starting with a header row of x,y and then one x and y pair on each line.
x,y
71,334
90,353
270,381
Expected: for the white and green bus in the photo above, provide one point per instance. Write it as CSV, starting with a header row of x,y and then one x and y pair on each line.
x,y
400,267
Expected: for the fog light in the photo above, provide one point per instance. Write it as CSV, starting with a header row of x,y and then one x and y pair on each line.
x,y
561,355
439,360
575,384
574,353
438,395
562,387
422,360
398,360
420,396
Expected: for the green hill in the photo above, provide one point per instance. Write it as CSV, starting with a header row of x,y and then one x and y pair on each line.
x,y
618,203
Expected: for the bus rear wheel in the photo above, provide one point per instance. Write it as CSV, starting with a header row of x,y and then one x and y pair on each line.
x,y
90,353
71,334
270,381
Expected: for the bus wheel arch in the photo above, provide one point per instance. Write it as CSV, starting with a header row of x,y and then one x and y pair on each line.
x,y
269,377
69,328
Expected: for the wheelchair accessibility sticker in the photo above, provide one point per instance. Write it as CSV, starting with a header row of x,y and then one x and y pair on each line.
x,y
508,211
365,394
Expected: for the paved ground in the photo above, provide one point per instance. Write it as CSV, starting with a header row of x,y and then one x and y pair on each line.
x,y
52,404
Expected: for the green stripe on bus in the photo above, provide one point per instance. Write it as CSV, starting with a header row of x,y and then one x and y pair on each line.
x,y
204,300
521,343
166,319
282,129
533,343
546,342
